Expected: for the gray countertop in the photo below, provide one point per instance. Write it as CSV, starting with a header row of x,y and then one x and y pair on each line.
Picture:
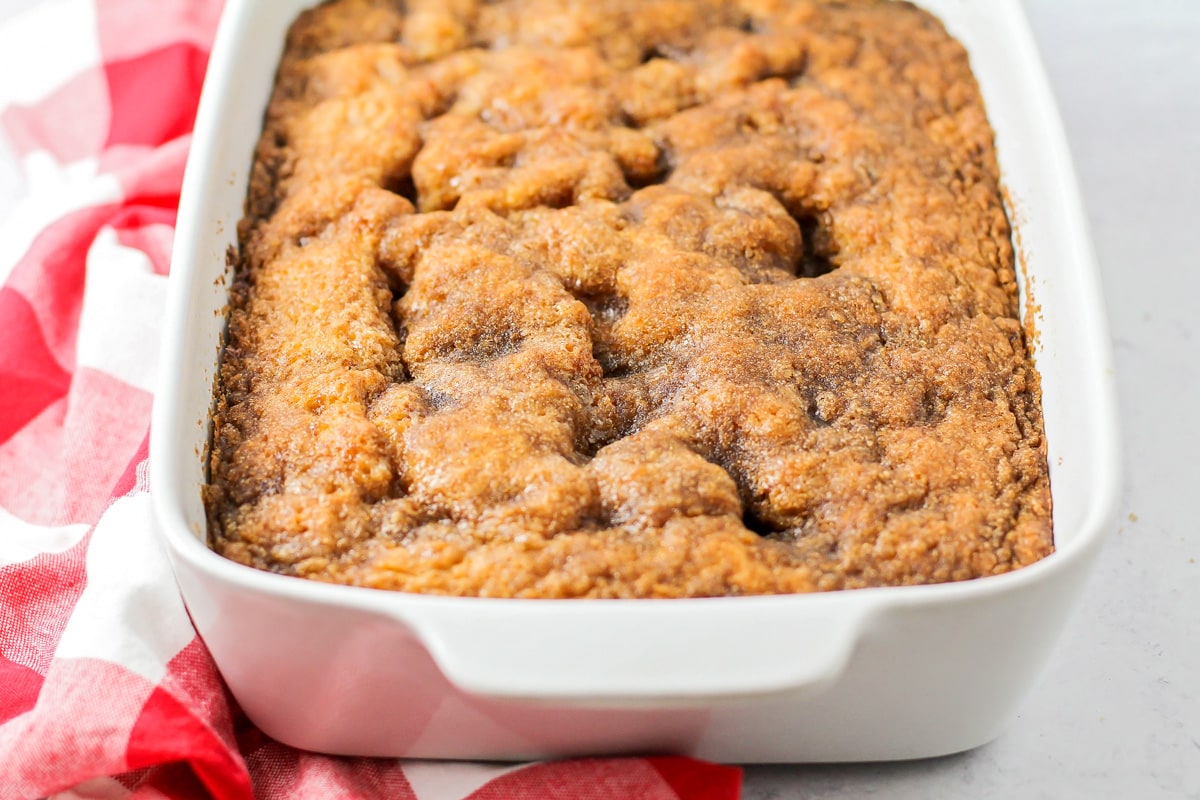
x,y
1117,711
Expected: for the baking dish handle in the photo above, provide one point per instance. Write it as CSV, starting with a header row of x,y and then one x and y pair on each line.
x,y
643,650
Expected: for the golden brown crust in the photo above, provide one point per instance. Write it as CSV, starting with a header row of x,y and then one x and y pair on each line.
x,y
632,298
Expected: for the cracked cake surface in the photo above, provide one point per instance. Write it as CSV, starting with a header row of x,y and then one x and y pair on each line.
x,y
626,298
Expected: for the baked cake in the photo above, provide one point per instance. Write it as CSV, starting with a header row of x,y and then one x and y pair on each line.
x,y
626,298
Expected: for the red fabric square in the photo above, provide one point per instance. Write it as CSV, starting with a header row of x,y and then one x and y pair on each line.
x,y
19,687
31,376
153,96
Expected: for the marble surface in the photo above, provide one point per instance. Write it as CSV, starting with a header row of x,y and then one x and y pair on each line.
x,y
1117,711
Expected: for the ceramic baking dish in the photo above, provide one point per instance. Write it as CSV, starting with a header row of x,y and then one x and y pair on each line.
x,y
872,674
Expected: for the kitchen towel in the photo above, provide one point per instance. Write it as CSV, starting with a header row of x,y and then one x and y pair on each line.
x,y
105,689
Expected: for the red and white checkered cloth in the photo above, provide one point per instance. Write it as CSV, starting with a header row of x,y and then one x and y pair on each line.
x,y
105,689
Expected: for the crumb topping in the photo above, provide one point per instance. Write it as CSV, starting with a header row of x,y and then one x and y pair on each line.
x,y
626,298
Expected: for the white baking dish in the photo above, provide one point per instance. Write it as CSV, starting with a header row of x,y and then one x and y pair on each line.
x,y
872,674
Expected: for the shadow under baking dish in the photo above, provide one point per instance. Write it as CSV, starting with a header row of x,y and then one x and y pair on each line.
x,y
870,674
